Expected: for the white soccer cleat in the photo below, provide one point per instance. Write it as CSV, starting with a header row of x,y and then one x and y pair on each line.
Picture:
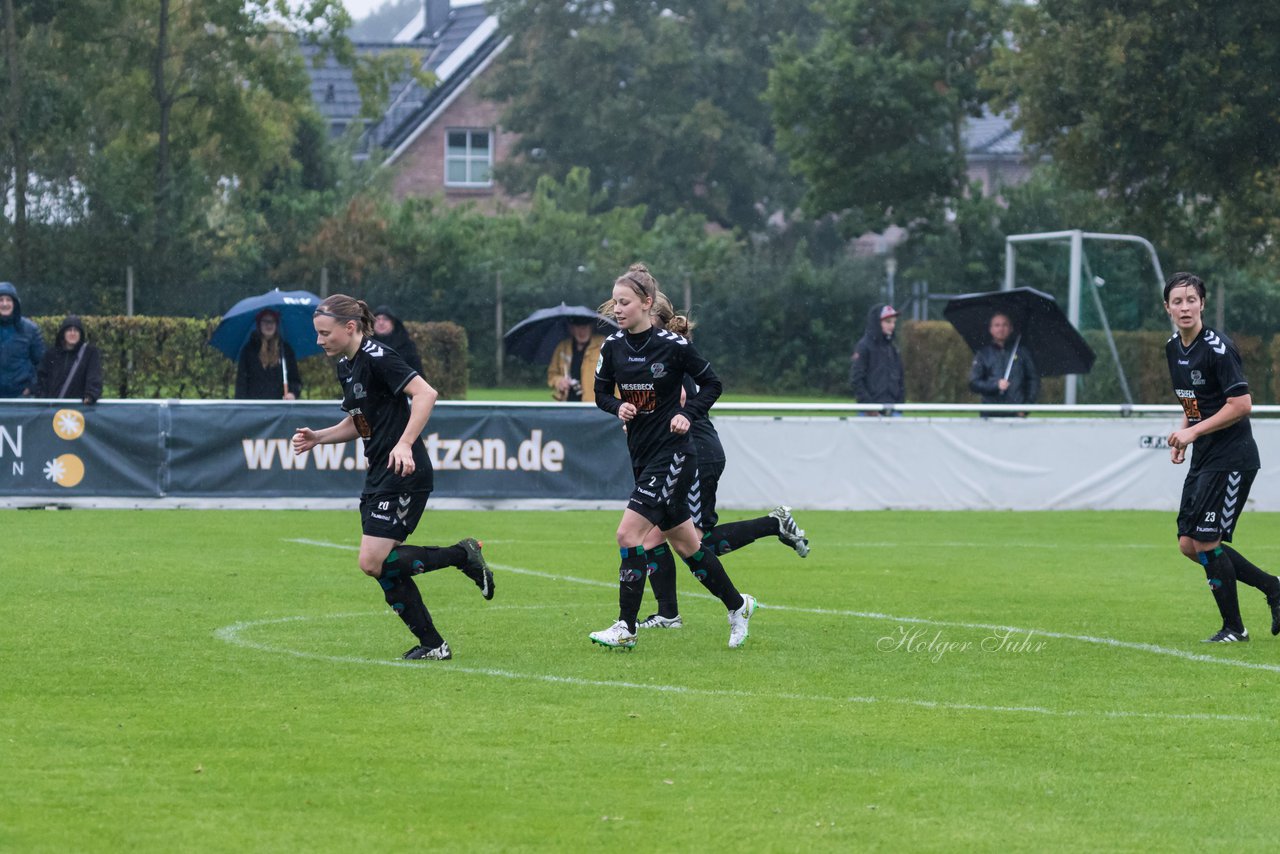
x,y
738,621
617,636
789,532
657,621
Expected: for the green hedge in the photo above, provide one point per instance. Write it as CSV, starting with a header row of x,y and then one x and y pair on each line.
x,y
170,357
936,361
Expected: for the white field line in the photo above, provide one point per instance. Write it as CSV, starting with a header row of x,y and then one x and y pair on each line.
x,y
920,621
234,634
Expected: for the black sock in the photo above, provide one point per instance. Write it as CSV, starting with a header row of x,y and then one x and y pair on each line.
x,y
1251,575
416,560
631,575
706,567
723,539
403,597
1222,581
662,577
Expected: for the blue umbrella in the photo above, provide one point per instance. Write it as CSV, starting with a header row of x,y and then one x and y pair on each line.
x,y
295,308
534,339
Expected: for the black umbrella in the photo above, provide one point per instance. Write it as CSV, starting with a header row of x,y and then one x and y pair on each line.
x,y
1055,345
534,339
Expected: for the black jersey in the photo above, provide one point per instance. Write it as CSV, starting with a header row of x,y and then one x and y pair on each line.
x,y
705,437
373,382
1204,375
648,370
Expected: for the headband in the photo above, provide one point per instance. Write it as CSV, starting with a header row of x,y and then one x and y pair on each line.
x,y
342,317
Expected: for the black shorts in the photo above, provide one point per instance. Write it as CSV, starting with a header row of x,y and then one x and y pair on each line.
x,y
662,489
1211,504
392,516
702,494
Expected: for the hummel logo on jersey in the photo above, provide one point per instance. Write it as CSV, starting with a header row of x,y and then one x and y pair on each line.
x,y
1219,346
635,358
671,336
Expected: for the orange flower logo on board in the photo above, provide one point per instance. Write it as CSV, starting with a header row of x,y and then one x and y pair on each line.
x,y
66,470
68,424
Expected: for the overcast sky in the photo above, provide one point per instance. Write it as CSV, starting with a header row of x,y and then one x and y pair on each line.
x,y
361,8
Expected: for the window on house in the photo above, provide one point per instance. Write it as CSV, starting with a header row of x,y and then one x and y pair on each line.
x,y
468,158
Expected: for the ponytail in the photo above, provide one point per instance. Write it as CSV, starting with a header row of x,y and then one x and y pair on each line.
x,y
345,309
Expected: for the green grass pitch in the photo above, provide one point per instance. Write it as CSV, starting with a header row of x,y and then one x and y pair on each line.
x,y
229,681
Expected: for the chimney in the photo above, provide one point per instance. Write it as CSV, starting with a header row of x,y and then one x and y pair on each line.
x,y
437,15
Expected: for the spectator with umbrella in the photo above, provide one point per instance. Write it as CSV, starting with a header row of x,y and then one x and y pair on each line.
x,y
1004,329
568,339
267,334
268,368
574,362
1004,372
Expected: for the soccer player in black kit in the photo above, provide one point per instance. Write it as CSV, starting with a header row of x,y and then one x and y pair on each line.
x,y
1209,381
721,539
387,405
648,367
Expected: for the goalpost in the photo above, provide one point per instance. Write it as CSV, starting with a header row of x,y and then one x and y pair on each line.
x,y
1076,238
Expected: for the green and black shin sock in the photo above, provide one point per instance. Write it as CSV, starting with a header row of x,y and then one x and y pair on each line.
x,y
631,575
706,567
1251,575
1222,582
405,599
723,539
662,578
415,560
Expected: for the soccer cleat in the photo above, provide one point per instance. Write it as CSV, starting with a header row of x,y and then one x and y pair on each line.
x,y
1228,636
440,653
1274,605
789,532
476,569
657,621
738,621
617,636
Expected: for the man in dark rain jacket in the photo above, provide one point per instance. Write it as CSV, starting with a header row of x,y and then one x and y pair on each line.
x,y
1003,370
876,369
21,346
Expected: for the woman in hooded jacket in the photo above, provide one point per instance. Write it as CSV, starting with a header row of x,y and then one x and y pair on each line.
x,y
72,367
389,329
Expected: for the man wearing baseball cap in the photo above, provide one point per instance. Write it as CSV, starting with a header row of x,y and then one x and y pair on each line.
x,y
876,369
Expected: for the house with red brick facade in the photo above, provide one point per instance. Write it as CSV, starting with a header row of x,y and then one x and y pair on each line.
x,y
439,141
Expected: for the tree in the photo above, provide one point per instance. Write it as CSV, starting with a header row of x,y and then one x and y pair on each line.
x,y
1167,105
41,111
660,102
871,113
